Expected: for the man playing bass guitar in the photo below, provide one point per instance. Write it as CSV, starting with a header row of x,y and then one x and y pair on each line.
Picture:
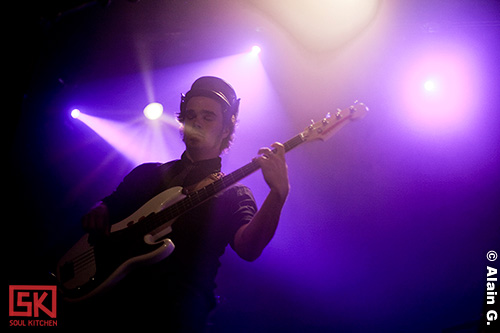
x,y
177,293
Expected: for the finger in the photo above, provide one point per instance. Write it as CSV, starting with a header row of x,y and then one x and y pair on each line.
x,y
100,224
88,222
94,223
265,151
279,146
106,226
85,223
259,159
279,149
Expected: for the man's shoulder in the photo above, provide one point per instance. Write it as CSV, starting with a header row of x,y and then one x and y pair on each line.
x,y
151,166
146,166
240,191
145,172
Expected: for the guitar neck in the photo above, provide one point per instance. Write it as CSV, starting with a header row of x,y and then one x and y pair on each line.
x,y
242,172
198,197
237,175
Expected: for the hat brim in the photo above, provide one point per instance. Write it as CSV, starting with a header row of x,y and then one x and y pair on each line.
x,y
207,93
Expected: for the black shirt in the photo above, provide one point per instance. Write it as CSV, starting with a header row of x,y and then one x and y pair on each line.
x,y
200,235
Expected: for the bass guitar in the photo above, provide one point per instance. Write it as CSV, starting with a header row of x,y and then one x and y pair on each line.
x,y
94,264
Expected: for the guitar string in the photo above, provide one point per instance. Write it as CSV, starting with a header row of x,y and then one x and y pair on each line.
x,y
84,264
88,255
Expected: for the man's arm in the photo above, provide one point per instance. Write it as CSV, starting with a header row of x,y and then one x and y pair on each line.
x,y
251,238
135,189
97,219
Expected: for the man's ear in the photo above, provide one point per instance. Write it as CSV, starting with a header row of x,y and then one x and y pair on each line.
x,y
225,132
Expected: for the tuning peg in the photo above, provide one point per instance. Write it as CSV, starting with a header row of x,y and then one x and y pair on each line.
x,y
352,109
312,124
338,115
325,120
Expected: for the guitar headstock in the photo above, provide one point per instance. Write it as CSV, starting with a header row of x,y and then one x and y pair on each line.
x,y
325,128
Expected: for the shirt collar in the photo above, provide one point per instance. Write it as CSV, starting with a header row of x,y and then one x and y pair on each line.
x,y
210,165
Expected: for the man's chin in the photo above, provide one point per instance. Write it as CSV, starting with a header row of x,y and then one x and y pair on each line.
x,y
193,141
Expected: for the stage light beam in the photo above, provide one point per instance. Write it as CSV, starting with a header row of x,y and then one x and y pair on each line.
x,y
153,111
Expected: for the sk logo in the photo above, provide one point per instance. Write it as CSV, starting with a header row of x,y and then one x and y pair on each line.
x,y
31,301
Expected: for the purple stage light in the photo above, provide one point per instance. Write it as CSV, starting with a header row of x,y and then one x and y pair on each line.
x,y
430,85
439,88
255,50
75,113
153,111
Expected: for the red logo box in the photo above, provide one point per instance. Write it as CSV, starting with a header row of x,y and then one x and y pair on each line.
x,y
30,301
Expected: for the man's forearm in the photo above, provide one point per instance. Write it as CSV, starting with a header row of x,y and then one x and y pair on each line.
x,y
253,237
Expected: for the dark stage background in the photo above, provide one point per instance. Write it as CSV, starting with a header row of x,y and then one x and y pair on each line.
x,y
387,224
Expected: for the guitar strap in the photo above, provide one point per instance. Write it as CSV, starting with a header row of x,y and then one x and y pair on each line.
x,y
161,232
172,177
178,180
204,182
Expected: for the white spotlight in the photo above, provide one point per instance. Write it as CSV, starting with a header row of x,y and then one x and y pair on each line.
x,y
153,111
75,113
430,85
255,50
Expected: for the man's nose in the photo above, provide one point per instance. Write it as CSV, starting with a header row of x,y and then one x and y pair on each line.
x,y
196,123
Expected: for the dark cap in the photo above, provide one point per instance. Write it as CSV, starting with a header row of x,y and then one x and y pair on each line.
x,y
213,87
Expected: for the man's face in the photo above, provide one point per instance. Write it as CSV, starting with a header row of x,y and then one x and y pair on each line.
x,y
203,126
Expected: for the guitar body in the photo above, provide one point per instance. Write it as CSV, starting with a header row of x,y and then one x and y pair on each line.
x,y
94,264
